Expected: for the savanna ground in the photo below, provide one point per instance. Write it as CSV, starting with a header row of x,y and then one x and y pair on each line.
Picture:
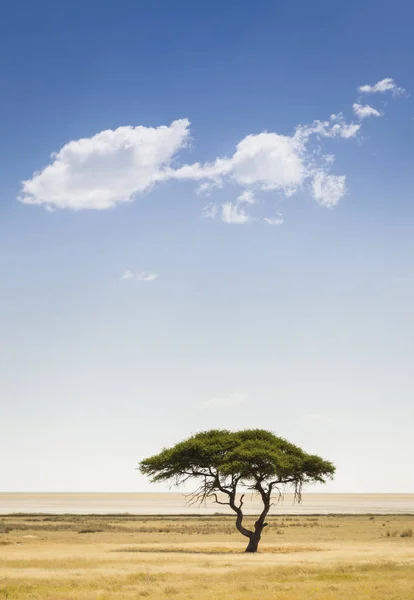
x,y
69,557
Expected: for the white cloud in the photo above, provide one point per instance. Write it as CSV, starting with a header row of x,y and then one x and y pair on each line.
x,y
234,399
364,111
279,220
127,275
267,160
328,189
341,128
335,127
205,188
270,160
247,196
346,131
210,211
232,212
143,276
385,85
106,169
114,166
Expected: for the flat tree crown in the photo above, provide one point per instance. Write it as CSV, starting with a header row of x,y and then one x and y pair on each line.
x,y
249,456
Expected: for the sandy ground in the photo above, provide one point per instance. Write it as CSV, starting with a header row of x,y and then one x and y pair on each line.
x,y
104,558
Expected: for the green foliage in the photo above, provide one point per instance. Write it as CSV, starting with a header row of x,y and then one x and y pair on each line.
x,y
246,457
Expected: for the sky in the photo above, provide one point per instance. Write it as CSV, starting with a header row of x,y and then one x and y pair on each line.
x,y
206,221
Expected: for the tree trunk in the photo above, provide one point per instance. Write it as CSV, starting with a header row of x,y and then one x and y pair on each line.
x,y
253,543
254,536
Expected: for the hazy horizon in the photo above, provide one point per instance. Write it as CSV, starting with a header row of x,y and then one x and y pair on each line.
x,y
183,493
175,503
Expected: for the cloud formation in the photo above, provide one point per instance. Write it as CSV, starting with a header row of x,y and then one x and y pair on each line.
x,y
210,211
143,276
328,189
273,162
334,128
269,161
114,166
385,85
107,169
278,220
127,274
232,212
364,111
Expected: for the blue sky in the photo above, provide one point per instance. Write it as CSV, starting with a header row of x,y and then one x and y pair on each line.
x,y
238,254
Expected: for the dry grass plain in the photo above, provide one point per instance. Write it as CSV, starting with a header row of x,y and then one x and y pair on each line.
x,y
130,557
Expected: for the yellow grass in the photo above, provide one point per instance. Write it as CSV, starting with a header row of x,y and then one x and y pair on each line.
x,y
103,558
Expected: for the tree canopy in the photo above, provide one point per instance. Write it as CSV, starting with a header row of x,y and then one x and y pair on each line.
x,y
225,462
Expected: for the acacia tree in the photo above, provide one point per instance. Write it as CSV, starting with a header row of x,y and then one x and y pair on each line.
x,y
225,463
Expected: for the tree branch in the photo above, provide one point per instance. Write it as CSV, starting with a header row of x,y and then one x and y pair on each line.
x,y
214,495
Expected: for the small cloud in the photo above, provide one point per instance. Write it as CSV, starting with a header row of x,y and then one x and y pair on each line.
x,y
342,129
364,111
385,85
234,213
127,275
144,276
229,401
335,127
328,189
210,211
279,220
247,196
329,158
205,188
